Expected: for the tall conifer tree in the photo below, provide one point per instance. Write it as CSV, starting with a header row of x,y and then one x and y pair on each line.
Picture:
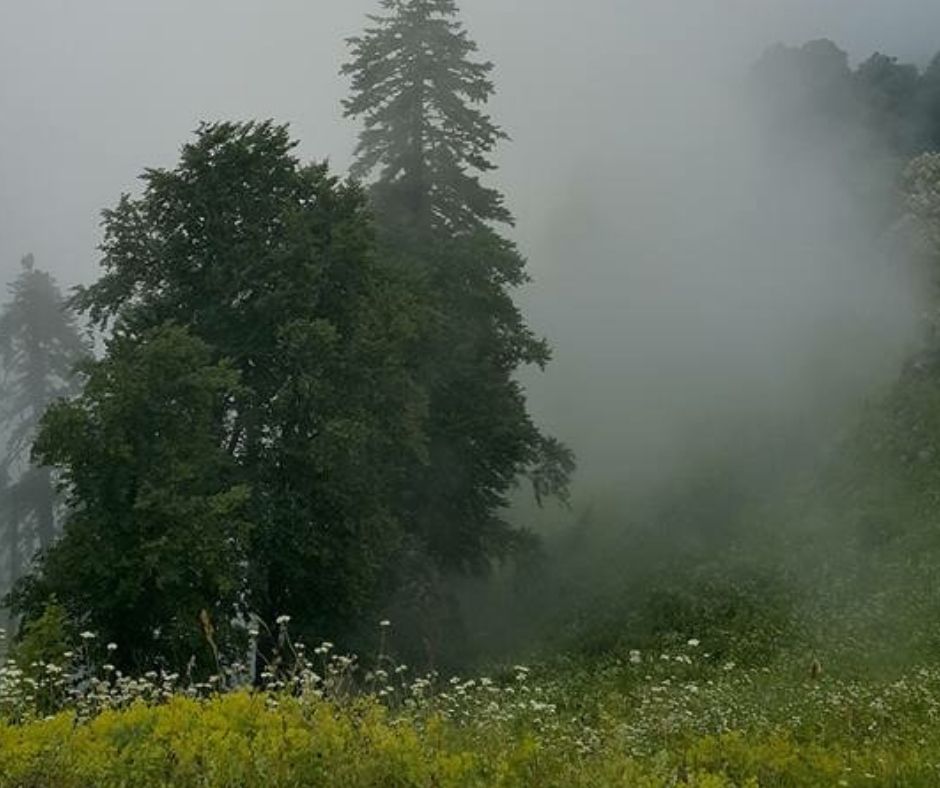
x,y
425,144
40,343
420,95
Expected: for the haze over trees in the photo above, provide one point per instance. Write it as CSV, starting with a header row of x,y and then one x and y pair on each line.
x,y
308,402
246,283
40,343
303,454
301,409
420,94
427,139
882,109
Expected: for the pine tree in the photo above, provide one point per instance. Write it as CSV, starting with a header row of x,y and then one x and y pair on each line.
x,y
426,142
39,346
420,95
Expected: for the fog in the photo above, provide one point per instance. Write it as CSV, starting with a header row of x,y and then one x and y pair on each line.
x,y
693,282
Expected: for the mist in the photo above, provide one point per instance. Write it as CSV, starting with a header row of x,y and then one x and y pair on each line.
x,y
289,466
703,281
714,292
686,274
698,279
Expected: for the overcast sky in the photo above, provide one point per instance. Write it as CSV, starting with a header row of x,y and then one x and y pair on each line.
x,y
93,91
598,96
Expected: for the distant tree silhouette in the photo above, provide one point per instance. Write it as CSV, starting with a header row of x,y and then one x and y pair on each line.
x,y
40,344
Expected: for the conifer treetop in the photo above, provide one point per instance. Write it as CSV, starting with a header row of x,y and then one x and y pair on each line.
x,y
426,137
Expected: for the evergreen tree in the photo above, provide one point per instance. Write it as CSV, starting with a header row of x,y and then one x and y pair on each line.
x,y
420,95
426,142
40,345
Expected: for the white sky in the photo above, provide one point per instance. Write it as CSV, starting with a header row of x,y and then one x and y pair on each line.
x,y
92,91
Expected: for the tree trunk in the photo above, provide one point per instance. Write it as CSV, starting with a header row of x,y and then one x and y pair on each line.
x,y
45,509
14,557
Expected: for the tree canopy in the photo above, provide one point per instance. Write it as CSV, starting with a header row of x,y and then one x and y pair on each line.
x,y
157,528
880,107
308,405
269,267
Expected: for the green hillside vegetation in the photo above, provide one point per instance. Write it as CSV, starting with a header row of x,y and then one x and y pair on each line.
x,y
306,421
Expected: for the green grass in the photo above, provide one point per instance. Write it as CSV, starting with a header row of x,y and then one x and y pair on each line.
x,y
632,719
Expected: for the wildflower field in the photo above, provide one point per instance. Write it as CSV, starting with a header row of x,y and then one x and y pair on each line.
x,y
636,719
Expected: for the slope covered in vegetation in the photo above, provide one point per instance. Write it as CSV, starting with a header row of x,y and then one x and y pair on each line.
x,y
308,410
632,719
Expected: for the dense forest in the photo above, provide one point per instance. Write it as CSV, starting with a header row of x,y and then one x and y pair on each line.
x,y
289,413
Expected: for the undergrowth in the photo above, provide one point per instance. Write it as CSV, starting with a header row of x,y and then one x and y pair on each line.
x,y
636,718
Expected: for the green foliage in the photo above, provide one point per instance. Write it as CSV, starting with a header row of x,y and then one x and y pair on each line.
x,y
292,418
866,123
882,106
929,103
888,91
481,437
644,720
45,639
157,523
263,272
40,345
749,618
418,92
921,188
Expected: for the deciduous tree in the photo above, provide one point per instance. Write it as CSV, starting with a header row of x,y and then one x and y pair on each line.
x,y
270,265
